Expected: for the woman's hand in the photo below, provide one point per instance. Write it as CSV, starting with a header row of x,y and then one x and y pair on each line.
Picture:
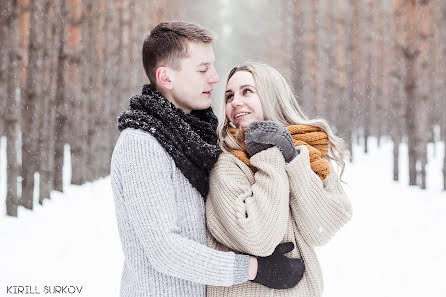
x,y
265,134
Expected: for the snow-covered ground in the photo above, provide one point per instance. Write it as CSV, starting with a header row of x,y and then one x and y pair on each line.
x,y
392,247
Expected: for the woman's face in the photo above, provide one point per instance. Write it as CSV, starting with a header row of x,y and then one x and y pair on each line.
x,y
243,105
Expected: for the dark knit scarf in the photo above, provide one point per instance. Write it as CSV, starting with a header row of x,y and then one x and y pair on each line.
x,y
190,139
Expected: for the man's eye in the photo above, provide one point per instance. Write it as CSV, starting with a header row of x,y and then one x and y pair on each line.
x,y
245,91
203,71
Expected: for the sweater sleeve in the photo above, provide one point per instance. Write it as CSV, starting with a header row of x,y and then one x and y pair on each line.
x,y
152,211
249,215
320,208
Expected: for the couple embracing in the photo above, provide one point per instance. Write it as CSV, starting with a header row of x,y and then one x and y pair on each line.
x,y
234,208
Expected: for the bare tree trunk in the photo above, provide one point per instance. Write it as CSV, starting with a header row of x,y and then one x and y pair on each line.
x,y
46,140
356,81
368,79
343,103
396,146
114,65
443,133
12,108
61,118
77,92
4,21
298,45
425,90
90,156
107,82
101,144
442,91
29,103
411,53
396,80
328,64
380,95
311,108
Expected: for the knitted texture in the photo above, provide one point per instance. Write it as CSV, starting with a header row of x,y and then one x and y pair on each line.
x,y
264,134
190,139
252,212
278,271
162,225
312,137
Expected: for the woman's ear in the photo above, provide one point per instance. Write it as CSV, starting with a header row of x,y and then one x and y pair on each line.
x,y
163,78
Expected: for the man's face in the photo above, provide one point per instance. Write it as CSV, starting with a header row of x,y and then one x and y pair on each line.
x,y
192,85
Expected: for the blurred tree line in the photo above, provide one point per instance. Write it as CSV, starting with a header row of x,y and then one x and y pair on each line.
x,y
67,69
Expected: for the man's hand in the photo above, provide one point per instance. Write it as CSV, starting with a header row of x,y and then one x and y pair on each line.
x,y
278,271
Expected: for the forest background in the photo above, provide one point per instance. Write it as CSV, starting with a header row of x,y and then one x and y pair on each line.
x,y
67,69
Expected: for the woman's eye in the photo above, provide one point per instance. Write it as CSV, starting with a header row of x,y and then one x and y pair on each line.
x,y
245,91
203,71
229,96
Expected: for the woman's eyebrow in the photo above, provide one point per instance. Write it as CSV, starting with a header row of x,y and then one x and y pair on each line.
x,y
241,87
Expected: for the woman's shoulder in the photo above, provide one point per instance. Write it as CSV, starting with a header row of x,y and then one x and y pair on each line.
x,y
228,164
227,159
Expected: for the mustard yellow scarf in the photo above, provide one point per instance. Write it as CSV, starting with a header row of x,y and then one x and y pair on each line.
x,y
314,138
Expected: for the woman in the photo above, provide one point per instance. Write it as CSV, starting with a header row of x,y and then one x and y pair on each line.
x,y
273,183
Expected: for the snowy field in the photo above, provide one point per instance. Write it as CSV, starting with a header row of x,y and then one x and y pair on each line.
x,y
392,247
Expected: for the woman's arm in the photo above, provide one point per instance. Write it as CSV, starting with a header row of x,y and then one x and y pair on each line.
x,y
320,208
249,215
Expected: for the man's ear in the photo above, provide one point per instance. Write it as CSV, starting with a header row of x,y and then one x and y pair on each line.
x,y
163,77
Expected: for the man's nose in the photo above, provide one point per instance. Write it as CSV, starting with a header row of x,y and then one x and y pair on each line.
x,y
213,78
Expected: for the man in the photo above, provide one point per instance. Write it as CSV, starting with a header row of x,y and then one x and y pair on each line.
x,y
160,169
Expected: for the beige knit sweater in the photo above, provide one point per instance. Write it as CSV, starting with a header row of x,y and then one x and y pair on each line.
x,y
252,213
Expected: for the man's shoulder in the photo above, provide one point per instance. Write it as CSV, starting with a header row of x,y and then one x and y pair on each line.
x,y
138,141
136,134
131,136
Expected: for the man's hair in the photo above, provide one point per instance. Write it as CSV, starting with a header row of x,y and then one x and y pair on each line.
x,y
167,44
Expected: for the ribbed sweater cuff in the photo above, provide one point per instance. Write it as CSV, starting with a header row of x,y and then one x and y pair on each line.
x,y
241,268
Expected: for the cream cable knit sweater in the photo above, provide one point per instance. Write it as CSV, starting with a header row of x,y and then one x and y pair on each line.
x,y
162,225
253,212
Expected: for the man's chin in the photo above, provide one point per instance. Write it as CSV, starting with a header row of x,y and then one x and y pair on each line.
x,y
205,104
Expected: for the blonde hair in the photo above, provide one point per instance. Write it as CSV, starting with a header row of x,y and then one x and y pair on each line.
x,y
279,105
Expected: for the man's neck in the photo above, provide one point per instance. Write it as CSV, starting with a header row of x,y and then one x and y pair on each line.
x,y
169,96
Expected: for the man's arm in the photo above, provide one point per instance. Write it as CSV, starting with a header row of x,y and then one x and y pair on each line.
x,y
150,204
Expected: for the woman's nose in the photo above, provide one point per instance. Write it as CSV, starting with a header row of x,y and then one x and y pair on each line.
x,y
236,101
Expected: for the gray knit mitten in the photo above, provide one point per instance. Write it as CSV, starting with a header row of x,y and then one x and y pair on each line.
x,y
265,134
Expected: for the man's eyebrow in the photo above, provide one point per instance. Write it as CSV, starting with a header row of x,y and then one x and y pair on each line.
x,y
204,64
